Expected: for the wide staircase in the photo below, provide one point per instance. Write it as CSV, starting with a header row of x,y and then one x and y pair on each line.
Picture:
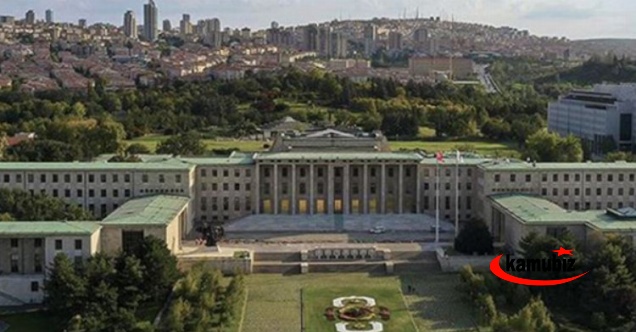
x,y
398,262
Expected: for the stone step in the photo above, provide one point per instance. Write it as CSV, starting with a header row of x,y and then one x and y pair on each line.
x,y
401,266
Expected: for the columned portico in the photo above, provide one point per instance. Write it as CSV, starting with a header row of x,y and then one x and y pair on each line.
x,y
330,188
400,189
293,189
312,199
346,190
276,202
383,189
365,188
418,190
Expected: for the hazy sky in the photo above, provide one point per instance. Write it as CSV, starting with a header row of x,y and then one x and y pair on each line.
x,y
575,19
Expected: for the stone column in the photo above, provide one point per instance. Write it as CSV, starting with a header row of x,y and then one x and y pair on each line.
x,y
311,189
418,189
346,192
400,189
330,183
257,186
365,189
275,200
293,189
383,189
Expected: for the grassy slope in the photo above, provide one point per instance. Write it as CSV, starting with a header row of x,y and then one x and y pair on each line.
x,y
30,322
274,301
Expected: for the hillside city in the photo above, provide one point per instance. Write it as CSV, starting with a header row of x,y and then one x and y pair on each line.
x,y
407,174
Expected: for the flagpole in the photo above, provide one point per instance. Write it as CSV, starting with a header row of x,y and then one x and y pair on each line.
x,y
457,194
437,204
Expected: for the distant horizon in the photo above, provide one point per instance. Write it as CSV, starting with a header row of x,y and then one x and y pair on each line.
x,y
582,19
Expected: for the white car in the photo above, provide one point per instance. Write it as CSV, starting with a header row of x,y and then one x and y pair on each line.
x,y
377,230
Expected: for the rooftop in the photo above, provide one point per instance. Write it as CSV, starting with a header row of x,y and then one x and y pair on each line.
x,y
171,164
515,165
44,228
154,210
340,156
536,210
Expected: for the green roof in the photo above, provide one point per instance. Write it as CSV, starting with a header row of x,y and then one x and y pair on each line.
x,y
340,156
44,228
535,210
146,158
172,164
153,210
223,161
515,165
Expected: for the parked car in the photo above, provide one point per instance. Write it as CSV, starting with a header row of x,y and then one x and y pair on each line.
x,y
377,230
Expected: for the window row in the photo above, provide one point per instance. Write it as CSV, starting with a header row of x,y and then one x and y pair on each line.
x,y
356,172
430,203
225,186
569,177
588,191
225,205
448,186
225,172
79,178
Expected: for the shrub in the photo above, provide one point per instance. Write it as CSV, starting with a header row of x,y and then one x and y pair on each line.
x,y
474,238
487,309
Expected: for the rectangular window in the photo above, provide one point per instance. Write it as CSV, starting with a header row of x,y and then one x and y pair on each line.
x,y
555,177
91,193
30,178
78,244
103,193
588,191
115,178
177,178
55,193
115,193
469,203
237,186
513,177
14,243
555,192
215,187
91,178
79,178
497,177
204,172
544,177
226,187
621,177
204,186
469,172
390,172
469,186
127,178
104,210
162,179
577,192
320,188
18,178
447,202
215,173
55,178
625,130
544,192
610,177
43,178
67,178
577,177
599,177
14,264
355,172
102,178
620,191
127,193
67,193
248,174
631,177
588,177
566,192
37,243
80,193
598,191
226,173
528,178
35,286
144,178
248,186
321,172
566,177
58,244
7,178
302,189
610,192
237,173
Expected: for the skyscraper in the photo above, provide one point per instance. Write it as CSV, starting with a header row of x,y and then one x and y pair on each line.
x,y
151,16
49,16
167,26
339,45
324,40
30,17
185,26
82,23
130,25
395,40
370,36
310,38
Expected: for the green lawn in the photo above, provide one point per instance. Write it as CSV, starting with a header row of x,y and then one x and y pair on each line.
x,y
482,147
30,322
274,301
151,141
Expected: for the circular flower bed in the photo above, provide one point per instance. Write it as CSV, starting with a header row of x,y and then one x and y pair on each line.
x,y
356,313
359,326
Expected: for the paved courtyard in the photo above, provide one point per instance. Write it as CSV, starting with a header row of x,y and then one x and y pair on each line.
x,y
337,223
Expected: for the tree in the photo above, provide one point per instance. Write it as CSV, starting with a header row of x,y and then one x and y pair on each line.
x,y
182,145
64,289
159,268
619,156
43,150
534,317
550,147
137,148
474,238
